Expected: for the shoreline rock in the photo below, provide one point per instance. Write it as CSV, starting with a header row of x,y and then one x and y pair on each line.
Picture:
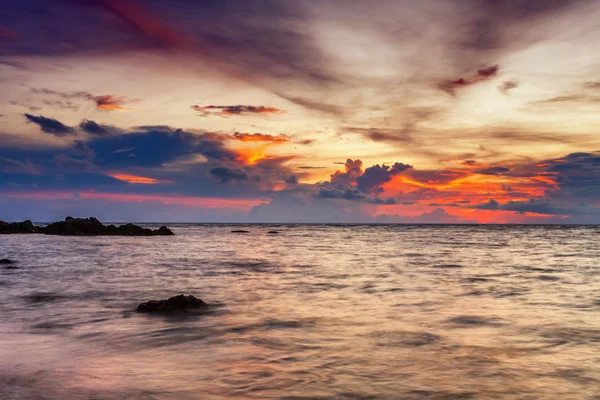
x,y
82,227
179,303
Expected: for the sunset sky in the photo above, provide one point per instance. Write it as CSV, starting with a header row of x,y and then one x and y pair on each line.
x,y
450,111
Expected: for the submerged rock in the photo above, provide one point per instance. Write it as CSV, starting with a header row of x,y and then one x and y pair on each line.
x,y
6,261
18,227
172,304
82,227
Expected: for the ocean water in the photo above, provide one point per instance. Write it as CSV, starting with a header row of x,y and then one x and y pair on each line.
x,y
314,312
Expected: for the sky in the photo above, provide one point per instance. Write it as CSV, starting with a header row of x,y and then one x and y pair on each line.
x,y
340,111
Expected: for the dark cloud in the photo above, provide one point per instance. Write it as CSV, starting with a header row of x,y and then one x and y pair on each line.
x,y
259,137
306,142
482,75
492,171
505,87
8,165
469,163
78,164
313,105
50,125
93,128
227,111
83,149
353,169
229,174
107,102
346,194
373,177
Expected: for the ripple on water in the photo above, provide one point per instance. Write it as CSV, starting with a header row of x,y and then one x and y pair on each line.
x,y
402,338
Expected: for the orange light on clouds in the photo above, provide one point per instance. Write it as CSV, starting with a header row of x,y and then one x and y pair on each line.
x,y
142,180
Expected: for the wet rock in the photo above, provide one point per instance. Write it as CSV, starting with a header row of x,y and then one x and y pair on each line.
x,y
92,227
18,227
172,304
6,261
239,231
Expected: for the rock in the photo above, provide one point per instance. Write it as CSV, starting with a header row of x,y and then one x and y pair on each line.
x,y
172,304
92,227
11,267
273,232
163,230
6,261
240,231
18,227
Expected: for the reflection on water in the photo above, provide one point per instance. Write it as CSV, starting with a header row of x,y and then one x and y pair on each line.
x,y
315,312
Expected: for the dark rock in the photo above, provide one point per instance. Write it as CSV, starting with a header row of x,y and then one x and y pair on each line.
x,y
240,231
273,232
172,304
163,230
11,267
18,227
92,227
6,261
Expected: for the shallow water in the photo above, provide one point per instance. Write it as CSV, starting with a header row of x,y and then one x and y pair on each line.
x,y
314,312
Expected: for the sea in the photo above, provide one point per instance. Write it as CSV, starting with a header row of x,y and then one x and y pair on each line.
x,y
310,312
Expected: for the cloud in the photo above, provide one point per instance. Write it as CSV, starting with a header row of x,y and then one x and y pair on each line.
x,y
373,177
109,102
134,179
93,128
505,87
482,75
228,174
50,125
346,194
227,111
71,163
259,137
492,171
138,18
83,149
8,165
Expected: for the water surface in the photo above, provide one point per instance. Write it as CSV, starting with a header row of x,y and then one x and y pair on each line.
x,y
313,312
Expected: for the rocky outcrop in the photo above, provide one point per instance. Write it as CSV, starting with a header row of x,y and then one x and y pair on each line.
x,y
83,227
173,304
18,227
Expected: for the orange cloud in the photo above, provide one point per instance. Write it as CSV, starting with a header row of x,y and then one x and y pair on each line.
x,y
109,102
137,179
251,155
